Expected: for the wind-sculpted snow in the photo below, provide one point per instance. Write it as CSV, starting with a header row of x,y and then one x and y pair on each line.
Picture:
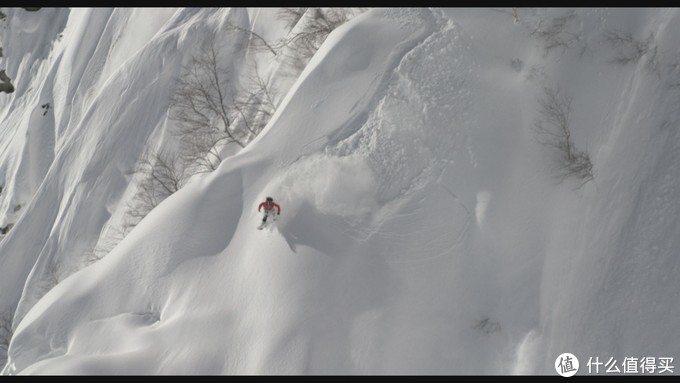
x,y
422,230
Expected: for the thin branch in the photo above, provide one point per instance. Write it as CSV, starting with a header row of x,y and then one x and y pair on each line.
x,y
252,34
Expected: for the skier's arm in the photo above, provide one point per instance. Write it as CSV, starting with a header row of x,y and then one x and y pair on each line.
x,y
278,208
260,207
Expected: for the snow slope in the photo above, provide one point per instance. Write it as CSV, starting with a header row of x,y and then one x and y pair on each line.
x,y
423,230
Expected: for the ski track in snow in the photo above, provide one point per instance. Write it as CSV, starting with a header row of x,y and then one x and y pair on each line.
x,y
410,137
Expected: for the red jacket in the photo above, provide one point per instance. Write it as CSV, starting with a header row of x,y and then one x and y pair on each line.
x,y
267,209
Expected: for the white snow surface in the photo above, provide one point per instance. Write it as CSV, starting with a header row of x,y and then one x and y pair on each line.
x,y
423,229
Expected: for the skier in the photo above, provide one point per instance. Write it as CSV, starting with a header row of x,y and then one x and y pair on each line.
x,y
268,206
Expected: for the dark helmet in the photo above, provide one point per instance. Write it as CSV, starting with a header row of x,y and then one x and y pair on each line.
x,y
270,199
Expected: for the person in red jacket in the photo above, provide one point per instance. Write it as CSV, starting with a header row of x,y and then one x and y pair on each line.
x,y
269,205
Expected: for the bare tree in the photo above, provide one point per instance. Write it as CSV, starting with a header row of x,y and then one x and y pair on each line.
x,y
487,326
630,50
158,175
308,29
211,112
317,24
255,39
554,33
291,16
553,130
107,241
255,105
162,174
50,278
201,102
202,150
512,12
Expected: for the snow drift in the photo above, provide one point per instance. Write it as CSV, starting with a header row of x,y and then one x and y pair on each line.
x,y
423,230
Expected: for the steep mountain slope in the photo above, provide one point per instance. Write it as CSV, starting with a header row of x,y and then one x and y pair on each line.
x,y
423,228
